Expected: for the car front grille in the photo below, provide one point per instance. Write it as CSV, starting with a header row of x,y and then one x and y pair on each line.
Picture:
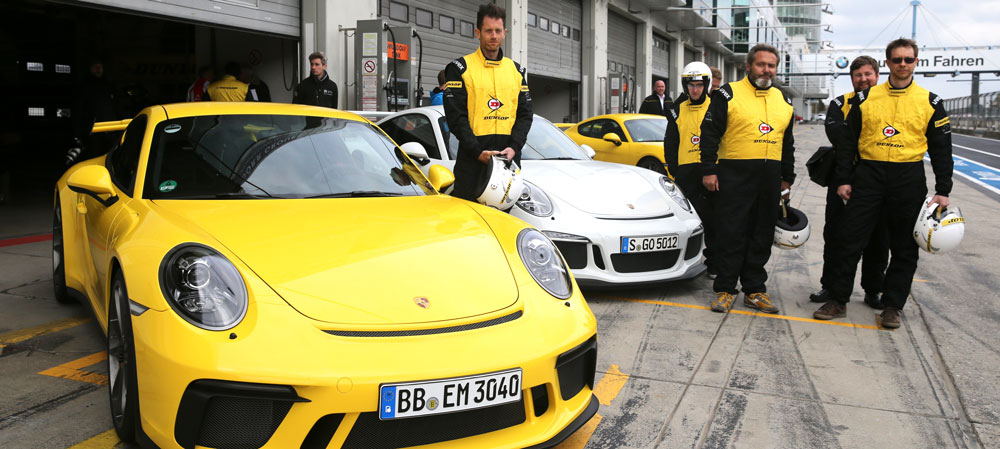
x,y
642,262
576,368
693,246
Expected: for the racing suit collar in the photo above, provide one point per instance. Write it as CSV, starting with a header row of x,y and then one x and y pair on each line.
x,y
891,86
489,62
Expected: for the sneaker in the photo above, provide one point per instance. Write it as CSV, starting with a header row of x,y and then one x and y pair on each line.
x,y
832,309
890,318
874,300
823,295
760,301
723,301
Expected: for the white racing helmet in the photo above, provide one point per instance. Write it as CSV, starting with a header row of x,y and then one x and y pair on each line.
x,y
696,71
503,186
792,228
938,228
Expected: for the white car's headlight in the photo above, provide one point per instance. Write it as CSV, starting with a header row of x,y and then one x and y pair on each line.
x,y
675,193
534,201
203,287
544,263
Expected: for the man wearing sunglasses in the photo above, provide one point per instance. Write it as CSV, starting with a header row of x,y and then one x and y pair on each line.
x,y
864,74
892,126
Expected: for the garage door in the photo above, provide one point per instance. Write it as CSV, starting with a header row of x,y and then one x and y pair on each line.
x,y
661,57
444,26
621,43
279,17
554,39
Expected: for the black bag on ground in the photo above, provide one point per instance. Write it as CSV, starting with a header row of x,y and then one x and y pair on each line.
x,y
821,165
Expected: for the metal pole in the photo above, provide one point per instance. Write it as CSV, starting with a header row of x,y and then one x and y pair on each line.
x,y
975,95
915,3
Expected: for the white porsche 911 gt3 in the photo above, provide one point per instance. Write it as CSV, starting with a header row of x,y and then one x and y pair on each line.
x,y
614,224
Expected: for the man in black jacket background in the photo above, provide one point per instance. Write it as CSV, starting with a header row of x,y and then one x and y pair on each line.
x,y
317,89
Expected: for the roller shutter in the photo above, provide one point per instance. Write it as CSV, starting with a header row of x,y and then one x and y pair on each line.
x,y
442,43
280,17
556,51
661,57
621,43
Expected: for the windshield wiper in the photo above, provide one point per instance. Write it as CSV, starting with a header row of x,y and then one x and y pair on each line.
x,y
228,195
356,194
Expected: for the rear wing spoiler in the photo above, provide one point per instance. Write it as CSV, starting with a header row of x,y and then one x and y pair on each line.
x,y
117,125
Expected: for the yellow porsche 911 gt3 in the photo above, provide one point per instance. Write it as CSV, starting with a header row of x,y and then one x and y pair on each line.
x,y
284,276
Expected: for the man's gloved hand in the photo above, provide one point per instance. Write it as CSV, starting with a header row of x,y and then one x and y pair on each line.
x,y
75,149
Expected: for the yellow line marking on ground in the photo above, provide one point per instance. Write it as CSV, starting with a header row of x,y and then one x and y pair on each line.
x,y
920,280
105,440
20,335
73,370
606,390
747,312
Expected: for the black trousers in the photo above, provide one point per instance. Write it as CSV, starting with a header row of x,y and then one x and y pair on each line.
x,y
897,190
875,256
746,209
688,178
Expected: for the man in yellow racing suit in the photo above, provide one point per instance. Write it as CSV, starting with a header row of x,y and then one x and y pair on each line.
x,y
486,103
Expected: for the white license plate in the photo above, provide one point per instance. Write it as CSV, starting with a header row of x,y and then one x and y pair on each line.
x,y
647,244
432,397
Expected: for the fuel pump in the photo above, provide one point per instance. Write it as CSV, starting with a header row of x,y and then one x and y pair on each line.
x,y
382,64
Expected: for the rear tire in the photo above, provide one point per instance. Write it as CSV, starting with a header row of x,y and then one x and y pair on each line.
x,y
122,378
651,163
58,257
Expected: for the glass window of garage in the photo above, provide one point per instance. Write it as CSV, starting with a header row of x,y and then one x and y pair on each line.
x,y
413,128
425,18
123,161
399,11
647,129
276,156
446,24
467,28
532,19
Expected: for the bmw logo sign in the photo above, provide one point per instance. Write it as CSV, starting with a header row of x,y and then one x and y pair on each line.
x,y
842,62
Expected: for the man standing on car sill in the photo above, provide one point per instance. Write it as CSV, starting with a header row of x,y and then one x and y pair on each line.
x,y
891,127
747,156
317,89
682,149
486,103
864,74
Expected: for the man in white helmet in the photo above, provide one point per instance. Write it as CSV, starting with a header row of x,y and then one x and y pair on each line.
x,y
682,147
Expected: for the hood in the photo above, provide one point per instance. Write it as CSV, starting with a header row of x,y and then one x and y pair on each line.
x,y
364,261
600,188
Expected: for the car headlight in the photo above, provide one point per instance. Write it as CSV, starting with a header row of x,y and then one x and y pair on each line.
x,y
675,193
203,287
544,263
534,201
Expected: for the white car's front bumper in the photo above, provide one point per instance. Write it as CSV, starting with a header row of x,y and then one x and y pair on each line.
x,y
592,246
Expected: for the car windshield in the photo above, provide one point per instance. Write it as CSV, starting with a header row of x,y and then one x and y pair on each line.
x,y
545,141
647,129
276,156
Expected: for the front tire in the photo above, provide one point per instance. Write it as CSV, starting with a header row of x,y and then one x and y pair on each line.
x,y
651,163
58,257
123,381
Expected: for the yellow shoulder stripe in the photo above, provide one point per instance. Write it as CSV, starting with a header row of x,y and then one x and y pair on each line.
x,y
455,84
941,122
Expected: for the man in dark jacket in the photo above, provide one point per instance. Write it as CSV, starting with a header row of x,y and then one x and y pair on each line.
x,y
318,89
658,103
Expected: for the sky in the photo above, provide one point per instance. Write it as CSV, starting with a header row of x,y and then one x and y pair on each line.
x,y
967,22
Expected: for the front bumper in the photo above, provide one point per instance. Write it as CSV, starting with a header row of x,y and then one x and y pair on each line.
x,y
592,246
309,388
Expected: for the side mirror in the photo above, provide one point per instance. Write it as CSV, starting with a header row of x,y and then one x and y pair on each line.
x,y
590,151
93,180
440,177
414,150
613,138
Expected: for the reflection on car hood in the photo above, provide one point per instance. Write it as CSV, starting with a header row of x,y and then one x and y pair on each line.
x,y
600,188
363,261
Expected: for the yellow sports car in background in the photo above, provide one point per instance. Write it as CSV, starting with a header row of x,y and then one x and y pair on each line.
x,y
283,276
631,139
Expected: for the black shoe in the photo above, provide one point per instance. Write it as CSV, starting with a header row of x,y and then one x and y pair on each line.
x,y
823,295
874,300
